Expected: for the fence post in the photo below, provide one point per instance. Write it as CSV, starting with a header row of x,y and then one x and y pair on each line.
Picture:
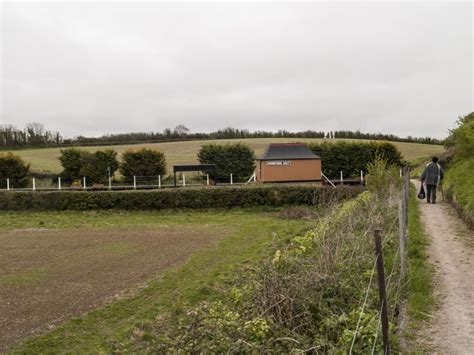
x,y
134,182
382,293
231,179
83,182
34,184
8,184
159,181
110,183
362,177
401,233
184,180
207,179
342,179
59,183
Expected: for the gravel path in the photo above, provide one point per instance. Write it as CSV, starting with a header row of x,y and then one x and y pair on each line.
x,y
452,254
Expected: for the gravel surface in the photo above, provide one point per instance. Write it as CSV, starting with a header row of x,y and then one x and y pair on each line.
x,y
452,254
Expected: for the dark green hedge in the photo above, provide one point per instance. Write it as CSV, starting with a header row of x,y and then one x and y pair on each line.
x,y
213,197
352,157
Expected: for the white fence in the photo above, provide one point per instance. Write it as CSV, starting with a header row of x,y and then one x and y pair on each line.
x,y
135,183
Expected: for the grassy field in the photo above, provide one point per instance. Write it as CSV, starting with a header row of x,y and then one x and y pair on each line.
x,y
63,265
46,160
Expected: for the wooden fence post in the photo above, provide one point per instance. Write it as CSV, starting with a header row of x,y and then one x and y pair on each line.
x,y
134,182
8,184
207,179
231,179
382,292
84,182
34,184
159,181
59,183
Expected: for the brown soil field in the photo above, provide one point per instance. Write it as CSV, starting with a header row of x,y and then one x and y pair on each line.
x,y
48,276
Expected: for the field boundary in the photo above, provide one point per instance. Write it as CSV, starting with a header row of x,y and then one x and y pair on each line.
x,y
193,198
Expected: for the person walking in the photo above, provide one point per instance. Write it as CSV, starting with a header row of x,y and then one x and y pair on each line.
x,y
432,176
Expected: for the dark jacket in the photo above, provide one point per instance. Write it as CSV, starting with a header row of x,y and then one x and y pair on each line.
x,y
433,174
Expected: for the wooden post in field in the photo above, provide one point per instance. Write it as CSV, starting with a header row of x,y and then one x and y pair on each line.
x,y
159,181
59,183
84,182
342,179
382,292
207,179
34,184
8,184
184,180
231,179
362,177
134,182
110,183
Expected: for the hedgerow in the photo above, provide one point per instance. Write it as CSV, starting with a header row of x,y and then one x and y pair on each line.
x,y
212,197
352,157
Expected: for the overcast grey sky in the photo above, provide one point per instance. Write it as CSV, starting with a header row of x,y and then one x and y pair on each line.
x,y
89,68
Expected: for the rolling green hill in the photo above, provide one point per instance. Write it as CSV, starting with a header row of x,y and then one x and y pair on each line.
x,y
46,160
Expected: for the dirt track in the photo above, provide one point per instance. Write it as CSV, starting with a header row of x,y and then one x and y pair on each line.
x,y
452,254
49,276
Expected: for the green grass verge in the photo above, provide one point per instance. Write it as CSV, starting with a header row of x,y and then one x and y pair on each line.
x,y
420,274
459,186
201,278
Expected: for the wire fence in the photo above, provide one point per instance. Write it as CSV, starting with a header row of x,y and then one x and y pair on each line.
x,y
390,291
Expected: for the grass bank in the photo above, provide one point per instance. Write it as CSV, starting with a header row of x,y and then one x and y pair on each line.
x,y
459,188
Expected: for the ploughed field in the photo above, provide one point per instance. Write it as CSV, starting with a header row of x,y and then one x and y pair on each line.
x,y
127,266
46,160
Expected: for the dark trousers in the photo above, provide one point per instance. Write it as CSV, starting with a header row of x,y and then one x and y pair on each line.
x,y
431,193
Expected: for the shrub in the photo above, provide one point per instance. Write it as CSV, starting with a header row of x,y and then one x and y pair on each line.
x,y
382,178
143,162
215,197
14,168
461,139
71,160
352,157
96,167
237,159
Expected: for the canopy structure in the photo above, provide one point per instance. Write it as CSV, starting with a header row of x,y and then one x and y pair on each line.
x,y
191,167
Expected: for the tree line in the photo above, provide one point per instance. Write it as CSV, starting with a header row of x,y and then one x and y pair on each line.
x,y
35,135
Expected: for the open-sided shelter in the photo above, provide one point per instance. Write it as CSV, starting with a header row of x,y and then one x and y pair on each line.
x,y
288,162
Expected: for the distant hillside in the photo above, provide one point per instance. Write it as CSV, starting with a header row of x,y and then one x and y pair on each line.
x,y
46,159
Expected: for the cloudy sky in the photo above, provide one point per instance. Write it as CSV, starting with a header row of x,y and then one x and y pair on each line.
x,y
100,67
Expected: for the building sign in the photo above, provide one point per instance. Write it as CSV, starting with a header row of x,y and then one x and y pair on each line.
x,y
279,162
